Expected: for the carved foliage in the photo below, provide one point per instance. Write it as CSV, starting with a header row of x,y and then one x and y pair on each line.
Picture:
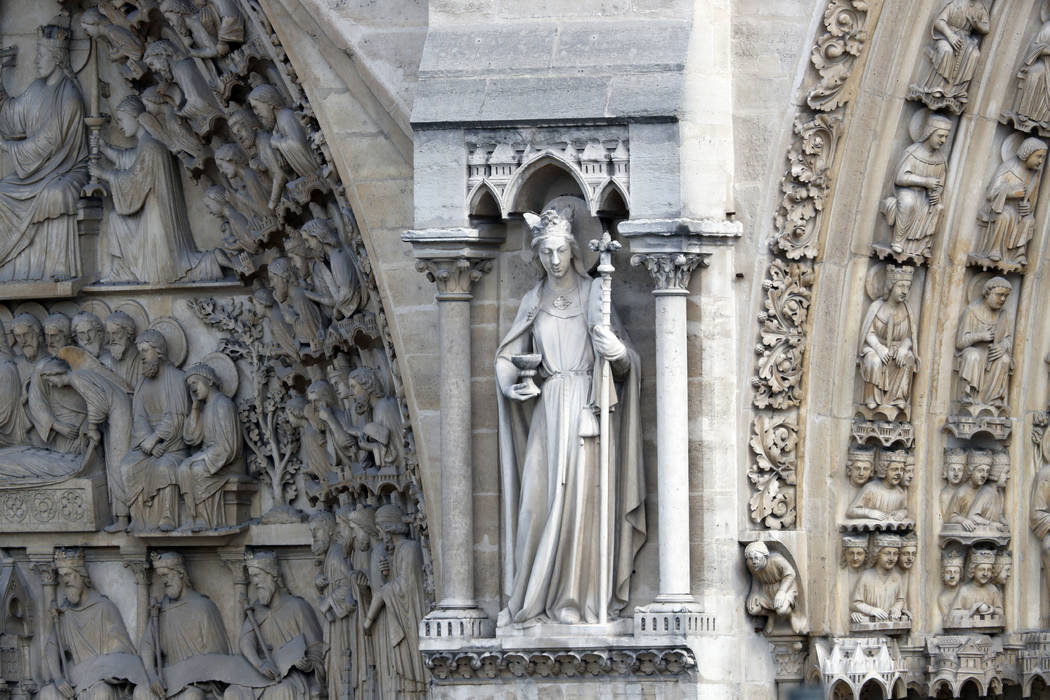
x,y
836,51
788,288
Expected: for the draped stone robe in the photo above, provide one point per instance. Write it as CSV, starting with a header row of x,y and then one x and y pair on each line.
x,y
1005,231
888,384
879,590
217,429
986,381
1032,105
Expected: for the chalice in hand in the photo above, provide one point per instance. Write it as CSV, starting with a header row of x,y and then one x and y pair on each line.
x,y
527,364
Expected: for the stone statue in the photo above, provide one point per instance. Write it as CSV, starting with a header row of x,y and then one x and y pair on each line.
x,y
952,561
1039,506
237,235
149,233
883,498
335,280
14,423
888,359
159,409
183,86
301,314
879,593
909,553
57,332
280,637
29,336
125,47
164,124
245,127
984,344
121,354
338,605
988,508
403,597
1007,221
213,425
211,28
860,466
774,588
954,474
360,564
957,30
88,654
979,596
108,406
1003,567
1031,108
287,146
978,466
549,442
313,444
44,135
88,332
854,550
248,188
374,420
914,209
57,411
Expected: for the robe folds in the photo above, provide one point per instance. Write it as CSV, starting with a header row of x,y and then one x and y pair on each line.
x,y
878,590
1032,106
549,466
38,201
911,213
986,379
888,384
1005,231
952,69
217,430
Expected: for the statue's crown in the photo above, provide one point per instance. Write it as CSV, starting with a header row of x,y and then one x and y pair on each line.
x,y
898,273
56,32
982,556
68,557
262,560
952,557
551,222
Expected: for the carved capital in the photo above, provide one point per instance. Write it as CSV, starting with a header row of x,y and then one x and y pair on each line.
x,y
454,277
46,571
670,271
140,569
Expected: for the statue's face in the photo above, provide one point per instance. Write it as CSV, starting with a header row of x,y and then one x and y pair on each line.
x,y
855,557
89,337
339,382
243,132
954,473
1036,160
128,123
264,112
982,573
279,286
979,475
900,290
887,558
29,340
171,579
907,557
1002,572
160,65
894,473
56,339
72,583
555,255
226,167
756,561
860,473
46,61
199,389
320,536
264,585
938,138
997,297
118,341
908,476
357,389
950,575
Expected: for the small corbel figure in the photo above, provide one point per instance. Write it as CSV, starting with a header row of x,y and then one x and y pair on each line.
x,y
775,591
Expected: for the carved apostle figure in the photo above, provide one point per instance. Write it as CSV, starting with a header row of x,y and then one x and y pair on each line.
x,y
984,344
88,332
957,30
1031,109
979,596
211,28
887,357
402,596
373,421
29,337
248,188
88,654
44,136
121,354
549,442
978,467
952,561
108,407
879,593
295,307
149,233
280,637
361,565
883,498
774,588
57,411
335,280
1007,219
337,602
914,209
1039,505
58,332
213,425
159,410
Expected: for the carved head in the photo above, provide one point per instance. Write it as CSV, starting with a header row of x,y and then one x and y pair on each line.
x,y
1000,471
153,347
159,56
1003,567
215,200
88,331
322,527
29,335
128,112
952,561
244,125
756,555
72,572
120,334
891,467
552,241
954,466
52,47
295,406
364,385
898,282
171,570
176,11
201,380
887,550
936,131
318,234
281,277
981,566
390,520
854,550
57,334
979,465
230,159
996,291
93,22
357,527
1032,152
53,371
859,466
264,574
265,102
909,551
320,393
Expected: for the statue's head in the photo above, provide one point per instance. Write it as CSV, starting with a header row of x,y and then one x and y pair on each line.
x,y
860,465
887,550
153,347
52,47
756,555
53,371
364,384
120,334
318,233
281,277
1032,152
320,393
128,111
1003,566
1000,469
553,243
322,527
171,570
72,573
909,551
952,561
88,331
357,526
264,574
996,291
93,22
390,520
898,282
201,380
936,131
979,466
57,333
29,334
230,159
854,550
954,466
266,101
159,56
244,125
982,565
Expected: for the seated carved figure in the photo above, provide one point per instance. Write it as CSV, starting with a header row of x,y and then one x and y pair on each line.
x,y
88,654
979,601
774,588
984,348
879,594
883,498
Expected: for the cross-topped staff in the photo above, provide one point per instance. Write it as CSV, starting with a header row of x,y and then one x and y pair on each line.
x,y
604,247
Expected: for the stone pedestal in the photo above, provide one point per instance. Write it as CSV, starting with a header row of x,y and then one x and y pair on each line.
x,y
453,259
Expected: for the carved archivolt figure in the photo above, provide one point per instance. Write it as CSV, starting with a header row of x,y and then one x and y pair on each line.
x,y
182,84
210,27
1031,108
213,425
879,593
854,550
887,355
280,637
549,443
954,474
952,561
774,588
286,146
149,233
44,135
953,55
979,596
125,47
914,209
979,465
352,600
298,312
88,653
984,344
1007,219
1039,507
884,498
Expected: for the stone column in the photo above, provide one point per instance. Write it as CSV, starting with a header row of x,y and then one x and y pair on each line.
x,y
454,259
671,249
139,566
233,558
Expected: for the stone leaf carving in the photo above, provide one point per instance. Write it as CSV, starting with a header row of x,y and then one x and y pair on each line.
x,y
773,473
778,380
837,50
952,56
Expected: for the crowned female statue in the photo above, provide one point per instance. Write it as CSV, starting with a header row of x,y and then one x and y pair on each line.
x,y
549,443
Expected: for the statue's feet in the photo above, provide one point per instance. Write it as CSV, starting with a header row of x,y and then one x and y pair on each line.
x,y
897,248
199,526
118,525
166,526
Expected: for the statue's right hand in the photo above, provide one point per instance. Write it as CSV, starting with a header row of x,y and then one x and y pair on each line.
x,y
65,688
157,686
884,355
880,614
522,392
269,670
857,617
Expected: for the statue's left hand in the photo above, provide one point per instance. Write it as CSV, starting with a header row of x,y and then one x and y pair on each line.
x,y
65,688
607,344
304,665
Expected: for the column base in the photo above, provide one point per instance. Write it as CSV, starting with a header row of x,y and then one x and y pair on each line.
x,y
447,622
672,615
